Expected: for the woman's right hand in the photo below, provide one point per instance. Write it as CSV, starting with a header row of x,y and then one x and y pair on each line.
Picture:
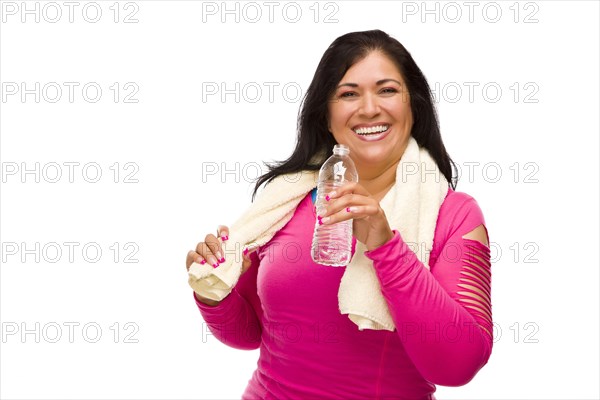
x,y
211,251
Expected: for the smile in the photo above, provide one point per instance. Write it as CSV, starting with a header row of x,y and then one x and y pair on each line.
x,y
372,133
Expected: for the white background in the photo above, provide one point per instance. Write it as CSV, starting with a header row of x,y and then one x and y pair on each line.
x,y
542,213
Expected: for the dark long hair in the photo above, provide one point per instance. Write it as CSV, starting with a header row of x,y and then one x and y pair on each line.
x,y
314,138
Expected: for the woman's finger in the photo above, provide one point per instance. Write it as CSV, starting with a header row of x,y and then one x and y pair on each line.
x,y
193,257
215,246
223,232
350,212
210,249
342,202
348,187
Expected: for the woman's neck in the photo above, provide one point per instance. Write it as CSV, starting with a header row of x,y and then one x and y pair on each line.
x,y
380,184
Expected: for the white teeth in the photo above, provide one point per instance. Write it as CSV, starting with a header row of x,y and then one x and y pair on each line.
x,y
372,129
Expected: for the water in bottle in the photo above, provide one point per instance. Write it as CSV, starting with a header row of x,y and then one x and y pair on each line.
x,y
332,244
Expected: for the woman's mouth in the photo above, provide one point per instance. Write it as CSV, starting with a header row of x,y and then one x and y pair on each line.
x,y
372,133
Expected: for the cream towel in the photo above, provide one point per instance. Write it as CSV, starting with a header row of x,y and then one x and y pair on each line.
x,y
411,206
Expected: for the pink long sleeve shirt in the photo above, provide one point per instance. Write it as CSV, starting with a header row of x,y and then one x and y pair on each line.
x,y
287,306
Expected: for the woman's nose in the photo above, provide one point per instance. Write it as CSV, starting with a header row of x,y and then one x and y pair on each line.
x,y
369,106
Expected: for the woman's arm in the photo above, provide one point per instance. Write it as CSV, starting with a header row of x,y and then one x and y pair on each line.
x,y
236,320
443,316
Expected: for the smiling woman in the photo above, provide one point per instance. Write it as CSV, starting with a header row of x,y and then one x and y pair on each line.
x,y
425,243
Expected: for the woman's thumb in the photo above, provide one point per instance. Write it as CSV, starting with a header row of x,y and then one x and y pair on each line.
x,y
247,262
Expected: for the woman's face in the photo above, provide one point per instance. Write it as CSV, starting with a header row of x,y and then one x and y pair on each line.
x,y
370,113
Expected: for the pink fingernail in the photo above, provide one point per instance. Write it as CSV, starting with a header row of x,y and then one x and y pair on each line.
x,y
215,265
320,222
224,237
347,209
222,260
203,262
245,251
327,197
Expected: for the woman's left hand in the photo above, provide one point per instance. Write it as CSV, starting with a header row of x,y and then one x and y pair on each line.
x,y
353,201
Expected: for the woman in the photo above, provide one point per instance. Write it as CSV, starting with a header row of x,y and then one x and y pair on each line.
x,y
368,94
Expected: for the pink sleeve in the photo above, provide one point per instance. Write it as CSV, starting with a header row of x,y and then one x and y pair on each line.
x,y
445,325
236,320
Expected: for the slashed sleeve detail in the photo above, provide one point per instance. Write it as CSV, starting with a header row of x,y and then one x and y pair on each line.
x,y
443,314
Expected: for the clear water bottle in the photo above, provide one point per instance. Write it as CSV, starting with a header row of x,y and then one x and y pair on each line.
x,y
332,244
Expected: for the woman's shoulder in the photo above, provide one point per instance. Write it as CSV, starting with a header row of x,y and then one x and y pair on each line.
x,y
459,212
458,200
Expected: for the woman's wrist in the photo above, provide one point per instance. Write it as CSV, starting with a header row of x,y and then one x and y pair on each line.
x,y
385,241
206,301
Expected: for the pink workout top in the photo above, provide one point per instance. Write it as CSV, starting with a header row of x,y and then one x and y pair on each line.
x,y
287,306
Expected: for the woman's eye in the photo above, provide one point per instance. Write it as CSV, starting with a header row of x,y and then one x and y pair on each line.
x,y
347,94
389,90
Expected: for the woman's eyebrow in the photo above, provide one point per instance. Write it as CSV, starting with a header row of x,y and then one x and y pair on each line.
x,y
382,81
379,82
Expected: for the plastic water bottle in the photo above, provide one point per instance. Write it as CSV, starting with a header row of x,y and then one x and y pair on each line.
x,y
332,244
